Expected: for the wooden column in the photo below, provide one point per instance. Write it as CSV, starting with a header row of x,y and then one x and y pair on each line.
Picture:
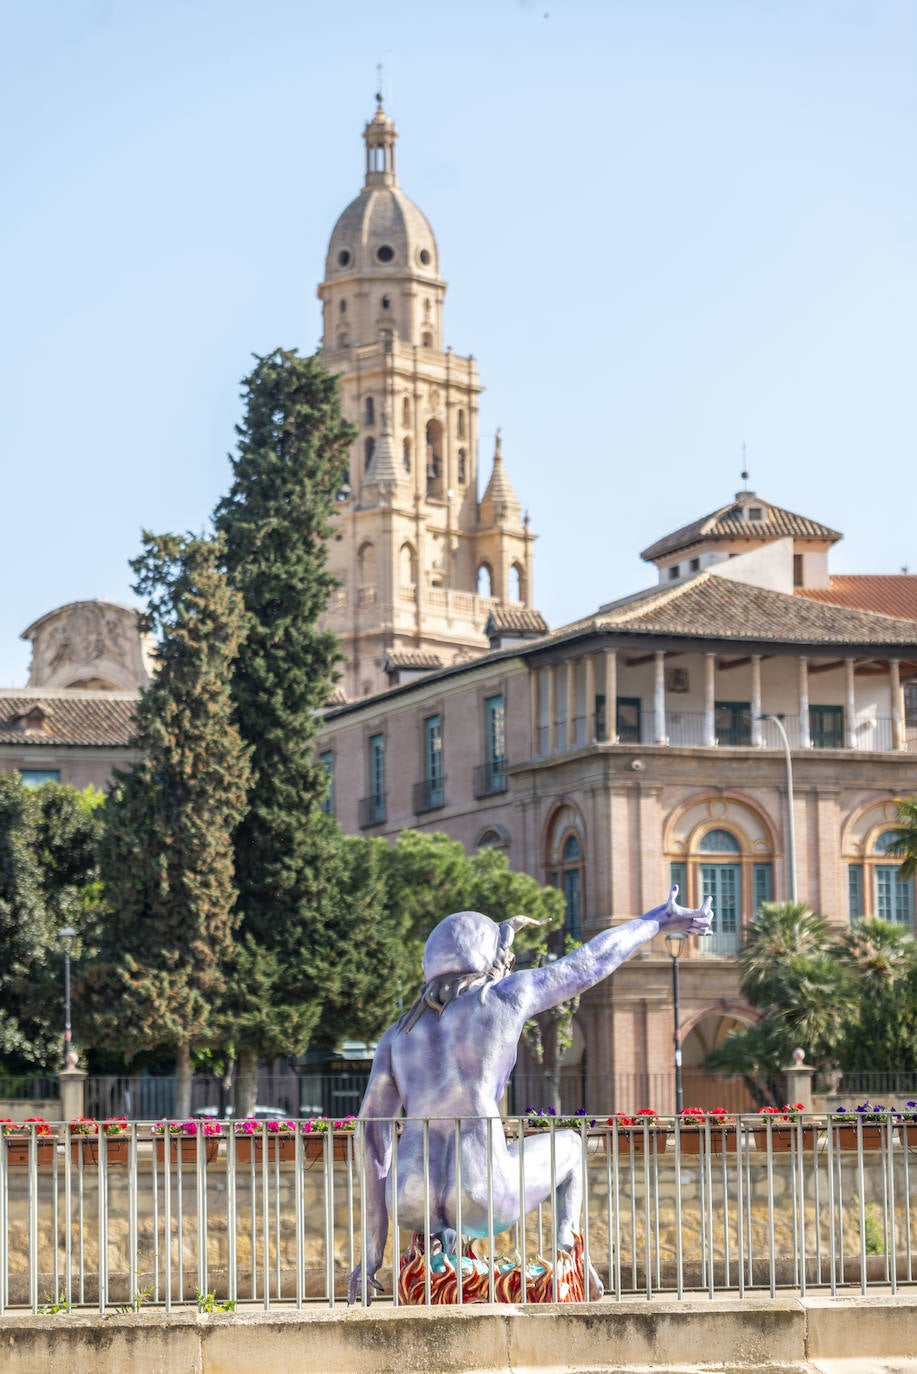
x,y
805,738
589,698
894,673
757,736
659,733
611,695
709,700
571,703
851,707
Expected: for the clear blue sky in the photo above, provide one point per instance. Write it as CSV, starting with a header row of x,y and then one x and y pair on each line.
x,y
668,226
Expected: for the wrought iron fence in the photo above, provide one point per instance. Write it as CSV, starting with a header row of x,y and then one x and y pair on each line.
x,y
724,1208
26,1087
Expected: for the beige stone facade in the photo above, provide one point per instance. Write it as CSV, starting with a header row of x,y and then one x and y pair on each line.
x,y
420,561
634,748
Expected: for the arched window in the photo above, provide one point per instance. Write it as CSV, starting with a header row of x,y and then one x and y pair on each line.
x,y
485,581
460,424
722,848
494,837
876,887
406,453
516,588
566,871
370,415
462,468
427,339
408,565
343,307
406,411
369,448
434,459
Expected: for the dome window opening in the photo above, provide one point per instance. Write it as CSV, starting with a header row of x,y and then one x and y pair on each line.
x,y
385,253
406,411
485,581
369,449
462,468
344,257
386,302
426,257
370,411
406,454
435,459
343,341
427,339
460,424
343,307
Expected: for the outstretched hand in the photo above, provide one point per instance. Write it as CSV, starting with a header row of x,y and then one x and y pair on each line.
x,y
683,920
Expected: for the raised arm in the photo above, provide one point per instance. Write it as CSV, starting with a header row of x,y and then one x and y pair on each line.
x,y
535,990
382,1100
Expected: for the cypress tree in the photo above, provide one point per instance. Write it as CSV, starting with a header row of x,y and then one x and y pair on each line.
x,y
167,854
290,465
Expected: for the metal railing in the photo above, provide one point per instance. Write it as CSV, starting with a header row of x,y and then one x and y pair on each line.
x,y
429,795
25,1087
725,1209
489,779
372,811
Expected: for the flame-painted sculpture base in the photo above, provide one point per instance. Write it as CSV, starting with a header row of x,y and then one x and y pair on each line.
x,y
539,1277
445,1065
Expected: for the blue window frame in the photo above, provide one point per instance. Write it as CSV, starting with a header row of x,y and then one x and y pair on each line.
x,y
762,884
894,895
377,775
433,758
855,891
326,759
495,740
678,874
723,882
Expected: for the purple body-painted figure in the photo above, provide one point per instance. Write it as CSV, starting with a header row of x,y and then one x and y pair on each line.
x,y
451,1056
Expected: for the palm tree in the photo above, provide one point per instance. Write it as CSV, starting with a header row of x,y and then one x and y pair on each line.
x,y
905,838
882,958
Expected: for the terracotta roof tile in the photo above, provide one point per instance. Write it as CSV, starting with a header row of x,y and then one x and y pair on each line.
x,y
67,718
411,658
517,618
893,594
711,607
728,523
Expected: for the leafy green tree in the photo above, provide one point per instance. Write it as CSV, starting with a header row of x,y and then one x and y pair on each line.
x,y
276,521
168,853
49,879
790,971
882,961
398,892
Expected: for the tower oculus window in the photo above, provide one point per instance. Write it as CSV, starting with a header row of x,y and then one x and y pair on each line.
x,y
385,253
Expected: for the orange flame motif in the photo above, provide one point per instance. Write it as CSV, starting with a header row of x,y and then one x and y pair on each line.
x,y
539,1279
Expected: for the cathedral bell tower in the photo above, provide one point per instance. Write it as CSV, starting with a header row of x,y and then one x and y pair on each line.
x,y
420,563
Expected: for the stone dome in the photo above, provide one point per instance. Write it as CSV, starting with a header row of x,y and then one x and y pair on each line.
x,y
384,233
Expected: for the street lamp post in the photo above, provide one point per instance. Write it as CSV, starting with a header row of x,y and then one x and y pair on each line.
x,y
790,823
66,937
676,944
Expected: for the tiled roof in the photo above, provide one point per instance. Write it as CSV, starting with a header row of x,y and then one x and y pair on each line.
x,y
517,618
892,594
337,696
411,658
711,607
729,523
67,718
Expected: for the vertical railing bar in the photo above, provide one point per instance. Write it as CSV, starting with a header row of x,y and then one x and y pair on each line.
x,y
266,1220
299,1220
553,1161
647,1253
771,1239
523,1251
708,1170
491,1241
68,1222
724,1142
102,1157
679,1246
4,1228
749,1239
253,1223
657,1236
156,1243
55,1220
80,1222
275,1178
232,1218
905,1145
396,1232
632,1176
584,1167
133,1283
425,1129
611,1145
799,1186
861,1178
741,1153
201,1211
459,1274
167,1210
328,1165
351,1207
33,1219
816,1197
364,1222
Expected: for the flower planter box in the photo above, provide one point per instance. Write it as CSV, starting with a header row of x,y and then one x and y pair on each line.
x,y
693,1139
784,1138
279,1147
846,1136
86,1148
17,1151
658,1139
188,1147
313,1146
